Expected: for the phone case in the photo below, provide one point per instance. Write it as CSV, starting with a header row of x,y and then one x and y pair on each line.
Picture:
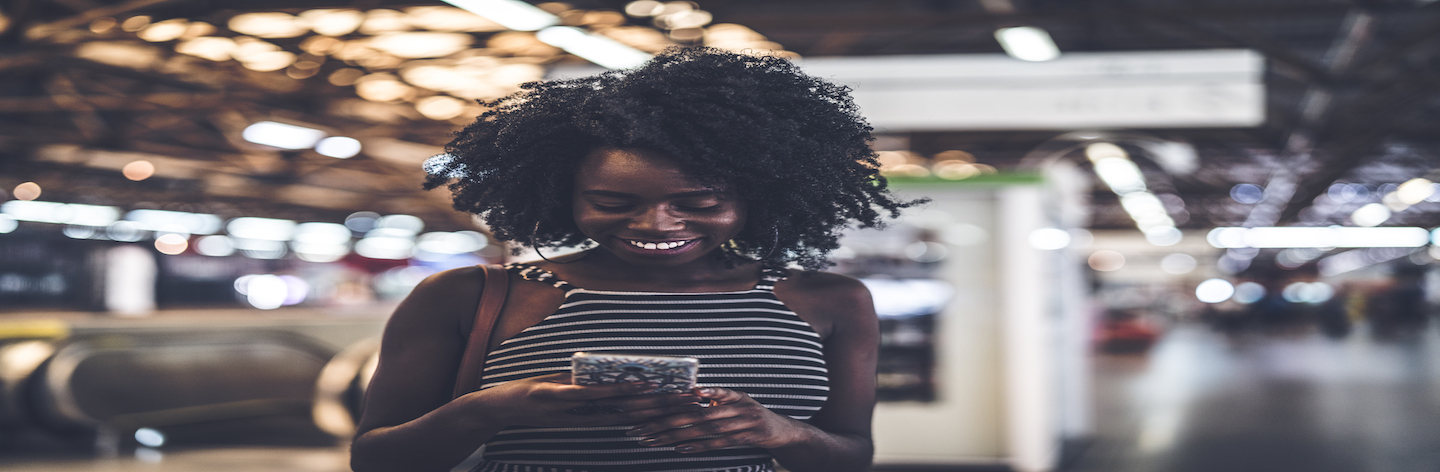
x,y
669,374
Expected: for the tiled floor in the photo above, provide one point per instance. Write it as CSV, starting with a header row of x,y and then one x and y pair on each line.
x,y
1198,402
1205,402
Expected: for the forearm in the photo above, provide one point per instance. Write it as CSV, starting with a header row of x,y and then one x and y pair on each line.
x,y
819,450
436,441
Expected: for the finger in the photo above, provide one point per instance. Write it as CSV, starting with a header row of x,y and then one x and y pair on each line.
x,y
634,416
595,392
642,402
699,416
719,395
738,438
705,430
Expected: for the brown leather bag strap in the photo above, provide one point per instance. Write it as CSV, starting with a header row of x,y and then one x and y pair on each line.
x,y
486,314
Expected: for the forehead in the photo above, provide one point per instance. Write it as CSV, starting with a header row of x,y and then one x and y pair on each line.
x,y
633,171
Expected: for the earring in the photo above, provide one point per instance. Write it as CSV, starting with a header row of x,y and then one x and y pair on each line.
x,y
542,255
774,242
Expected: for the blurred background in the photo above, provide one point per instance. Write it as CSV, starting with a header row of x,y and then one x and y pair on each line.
x,y
1165,235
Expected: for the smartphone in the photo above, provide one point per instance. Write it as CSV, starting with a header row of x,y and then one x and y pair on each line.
x,y
670,374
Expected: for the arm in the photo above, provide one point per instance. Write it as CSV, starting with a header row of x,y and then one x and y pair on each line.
x,y
408,420
410,423
837,438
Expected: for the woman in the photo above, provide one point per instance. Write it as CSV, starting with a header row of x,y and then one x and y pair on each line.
x,y
696,178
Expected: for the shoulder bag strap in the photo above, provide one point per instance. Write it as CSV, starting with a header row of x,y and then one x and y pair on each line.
x,y
486,314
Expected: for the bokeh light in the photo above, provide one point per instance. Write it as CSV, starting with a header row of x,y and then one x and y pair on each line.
x,y
1248,292
27,191
138,170
171,244
1106,260
1214,291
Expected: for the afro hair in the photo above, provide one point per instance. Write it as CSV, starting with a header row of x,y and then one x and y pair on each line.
x,y
792,146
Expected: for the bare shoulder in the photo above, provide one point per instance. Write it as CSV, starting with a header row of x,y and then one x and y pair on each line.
x,y
445,298
827,284
826,299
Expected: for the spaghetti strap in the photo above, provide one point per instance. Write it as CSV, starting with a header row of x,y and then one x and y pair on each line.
x,y
768,276
536,274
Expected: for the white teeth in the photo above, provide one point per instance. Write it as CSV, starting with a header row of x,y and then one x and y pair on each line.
x,y
660,245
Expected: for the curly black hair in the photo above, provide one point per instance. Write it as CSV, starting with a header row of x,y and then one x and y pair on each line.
x,y
794,147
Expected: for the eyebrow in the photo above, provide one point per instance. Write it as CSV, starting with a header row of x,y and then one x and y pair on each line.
x,y
693,193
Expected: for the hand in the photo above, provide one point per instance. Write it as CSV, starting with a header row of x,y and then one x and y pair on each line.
x,y
734,419
550,400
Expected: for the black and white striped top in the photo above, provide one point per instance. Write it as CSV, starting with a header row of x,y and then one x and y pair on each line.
x,y
746,340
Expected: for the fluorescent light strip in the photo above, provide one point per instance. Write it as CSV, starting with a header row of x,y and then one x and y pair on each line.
x,y
1318,237
60,213
512,14
282,135
593,47
1027,43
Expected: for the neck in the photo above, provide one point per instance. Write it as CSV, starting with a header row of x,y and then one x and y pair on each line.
x,y
708,268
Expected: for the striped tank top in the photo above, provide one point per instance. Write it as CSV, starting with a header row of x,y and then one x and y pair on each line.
x,y
746,341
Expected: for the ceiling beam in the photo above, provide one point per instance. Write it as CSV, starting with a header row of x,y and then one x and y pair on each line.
x,y
45,30
153,101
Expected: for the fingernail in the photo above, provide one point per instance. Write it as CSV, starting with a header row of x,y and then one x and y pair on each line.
x,y
707,391
636,432
649,441
684,448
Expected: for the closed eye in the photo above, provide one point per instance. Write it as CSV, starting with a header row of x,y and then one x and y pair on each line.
x,y
612,208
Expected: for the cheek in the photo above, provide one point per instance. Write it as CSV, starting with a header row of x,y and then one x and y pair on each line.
x,y
730,223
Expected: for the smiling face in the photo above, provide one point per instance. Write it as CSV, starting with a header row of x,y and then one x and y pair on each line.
x,y
640,206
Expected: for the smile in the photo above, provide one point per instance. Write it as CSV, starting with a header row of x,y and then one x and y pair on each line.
x,y
660,246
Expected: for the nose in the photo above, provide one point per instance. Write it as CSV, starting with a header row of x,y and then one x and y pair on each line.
x,y
657,219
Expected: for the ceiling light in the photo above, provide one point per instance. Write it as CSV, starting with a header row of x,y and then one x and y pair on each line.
x,y
281,135
268,25
1214,291
1318,237
208,47
138,170
1371,214
1415,191
437,18
644,8
513,14
440,107
339,147
1027,43
1049,238
60,213
1122,175
416,44
268,61
215,246
594,48
261,229
333,22
168,30
157,220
